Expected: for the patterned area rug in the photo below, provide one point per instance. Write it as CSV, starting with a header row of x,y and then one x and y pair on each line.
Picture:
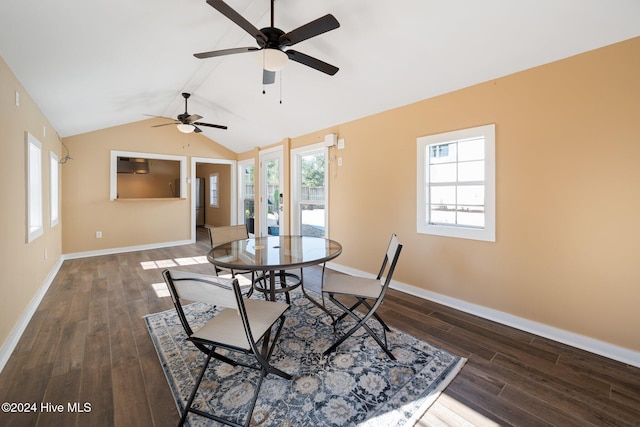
x,y
356,386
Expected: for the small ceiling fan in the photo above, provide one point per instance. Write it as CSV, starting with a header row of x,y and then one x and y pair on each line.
x,y
188,123
274,41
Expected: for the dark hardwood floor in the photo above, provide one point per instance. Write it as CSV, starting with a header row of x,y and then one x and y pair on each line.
x,y
87,343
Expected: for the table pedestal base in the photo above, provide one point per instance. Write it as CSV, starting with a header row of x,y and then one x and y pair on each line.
x,y
272,283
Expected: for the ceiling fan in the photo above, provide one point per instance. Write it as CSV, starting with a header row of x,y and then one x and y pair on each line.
x,y
188,123
274,41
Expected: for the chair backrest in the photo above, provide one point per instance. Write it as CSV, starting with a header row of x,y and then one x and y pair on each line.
x,y
390,260
214,290
227,233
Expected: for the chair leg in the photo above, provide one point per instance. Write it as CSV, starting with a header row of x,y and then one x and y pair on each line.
x,y
264,356
316,303
362,301
255,398
187,407
361,323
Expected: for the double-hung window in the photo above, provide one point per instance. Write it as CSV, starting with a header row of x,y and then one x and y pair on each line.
x,y
35,226
456,184
213,190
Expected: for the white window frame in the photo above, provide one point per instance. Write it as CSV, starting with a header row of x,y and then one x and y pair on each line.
x,y
34,220
486,233
54,190
296,170
214,190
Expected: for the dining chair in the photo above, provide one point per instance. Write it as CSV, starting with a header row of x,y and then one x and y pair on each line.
x,y
369,294
225,234
236,329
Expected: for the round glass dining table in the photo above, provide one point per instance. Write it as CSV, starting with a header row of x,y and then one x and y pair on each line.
x,y
271,254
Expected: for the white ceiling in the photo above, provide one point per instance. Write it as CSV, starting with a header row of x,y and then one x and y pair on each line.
x,y
100,63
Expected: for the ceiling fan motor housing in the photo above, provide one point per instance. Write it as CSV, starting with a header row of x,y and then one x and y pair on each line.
x,y
273,37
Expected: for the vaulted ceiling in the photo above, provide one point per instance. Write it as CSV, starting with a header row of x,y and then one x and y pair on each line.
x,y
96,64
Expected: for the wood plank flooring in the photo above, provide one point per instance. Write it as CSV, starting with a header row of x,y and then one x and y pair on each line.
x,y
87,343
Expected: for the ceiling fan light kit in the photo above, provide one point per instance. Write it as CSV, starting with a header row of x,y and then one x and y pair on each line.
x,y
274,59
184,128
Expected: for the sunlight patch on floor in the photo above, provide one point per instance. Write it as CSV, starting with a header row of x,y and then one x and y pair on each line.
x,y
168,263
447,411
160,289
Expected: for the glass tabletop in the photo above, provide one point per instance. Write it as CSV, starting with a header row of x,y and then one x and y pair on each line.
x,y
274,252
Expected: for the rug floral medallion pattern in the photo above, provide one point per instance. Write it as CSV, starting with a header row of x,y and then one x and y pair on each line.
x,y
358,385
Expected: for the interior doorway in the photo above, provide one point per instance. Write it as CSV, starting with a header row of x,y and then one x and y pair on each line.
x,y
213,195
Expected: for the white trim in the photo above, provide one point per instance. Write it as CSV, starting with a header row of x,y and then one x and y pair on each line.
x,y
572,339
488,232
16,333
234,194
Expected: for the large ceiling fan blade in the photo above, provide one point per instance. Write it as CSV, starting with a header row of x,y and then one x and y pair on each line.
x,y
312,62
239,20
268,77
223,52
312,29
164,124
197,129
193,118
208,125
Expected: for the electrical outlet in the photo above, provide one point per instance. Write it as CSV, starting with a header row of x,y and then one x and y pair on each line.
x,y
339,161
98,234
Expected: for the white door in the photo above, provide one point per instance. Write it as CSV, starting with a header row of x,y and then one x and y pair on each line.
x,y
309,191
246,208
271,192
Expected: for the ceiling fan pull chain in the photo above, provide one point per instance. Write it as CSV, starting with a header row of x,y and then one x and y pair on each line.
x,y
280,87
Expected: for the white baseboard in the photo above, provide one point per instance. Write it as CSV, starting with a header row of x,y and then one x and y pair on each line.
x,y
575,340
12,340
582,342
111,251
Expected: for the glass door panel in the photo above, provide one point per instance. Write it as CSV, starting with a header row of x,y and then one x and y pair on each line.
x,y
271,195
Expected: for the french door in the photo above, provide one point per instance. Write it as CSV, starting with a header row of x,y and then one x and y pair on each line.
x,y
309,190
271,209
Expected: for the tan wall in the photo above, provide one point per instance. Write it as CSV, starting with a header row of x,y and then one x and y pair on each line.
x,y
568,174
23,265
125,223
